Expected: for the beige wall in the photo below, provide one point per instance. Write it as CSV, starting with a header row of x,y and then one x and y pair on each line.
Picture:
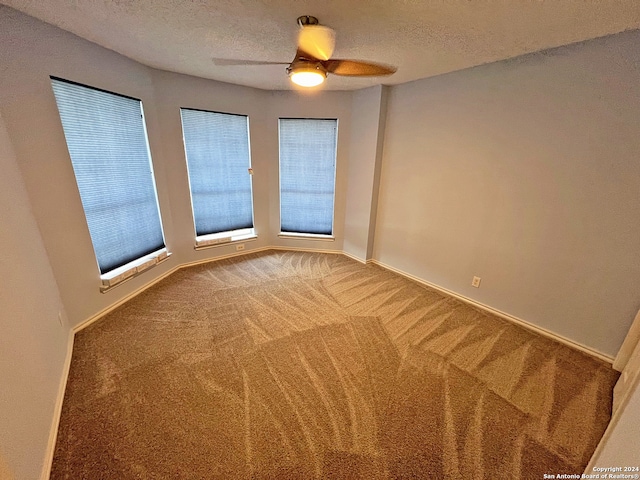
x,y
526,174
368,115
33,343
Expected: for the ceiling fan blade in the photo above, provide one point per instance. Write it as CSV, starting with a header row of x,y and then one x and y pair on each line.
x,y
317,41
230,62
355,68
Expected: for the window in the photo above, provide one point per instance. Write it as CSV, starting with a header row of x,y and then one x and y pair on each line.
x,y
307,175
107,143
218,162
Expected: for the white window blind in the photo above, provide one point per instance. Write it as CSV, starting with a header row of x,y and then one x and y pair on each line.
x,y
218,161
107,143
307,175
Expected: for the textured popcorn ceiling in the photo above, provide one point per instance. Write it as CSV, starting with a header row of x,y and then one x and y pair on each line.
x,y
422,38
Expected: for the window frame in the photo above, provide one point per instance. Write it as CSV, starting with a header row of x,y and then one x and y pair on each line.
x,y
218,239
134,267
304,235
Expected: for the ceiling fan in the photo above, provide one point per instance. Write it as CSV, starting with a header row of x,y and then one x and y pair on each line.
x,y
313,61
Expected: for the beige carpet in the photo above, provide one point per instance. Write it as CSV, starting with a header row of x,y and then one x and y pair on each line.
x,y
286,365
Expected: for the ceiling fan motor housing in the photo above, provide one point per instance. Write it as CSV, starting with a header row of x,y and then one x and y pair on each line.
x,y
305,20
306,65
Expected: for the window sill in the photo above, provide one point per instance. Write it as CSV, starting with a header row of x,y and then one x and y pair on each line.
x,y
226,238
307,236
132,269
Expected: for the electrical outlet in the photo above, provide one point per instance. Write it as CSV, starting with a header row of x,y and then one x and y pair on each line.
x,y
475,282
240,247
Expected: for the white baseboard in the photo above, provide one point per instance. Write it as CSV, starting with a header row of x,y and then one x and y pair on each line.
x,y
57,412
221,257
530,326
123,300
357,259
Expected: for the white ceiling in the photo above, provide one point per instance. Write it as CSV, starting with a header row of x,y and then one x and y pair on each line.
x,y
422,38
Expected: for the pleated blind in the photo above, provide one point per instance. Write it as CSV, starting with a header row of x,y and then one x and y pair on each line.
x,y
107,143
218,159
307,175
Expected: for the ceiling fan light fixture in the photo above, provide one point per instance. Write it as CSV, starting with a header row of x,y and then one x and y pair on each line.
x,y
307,76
